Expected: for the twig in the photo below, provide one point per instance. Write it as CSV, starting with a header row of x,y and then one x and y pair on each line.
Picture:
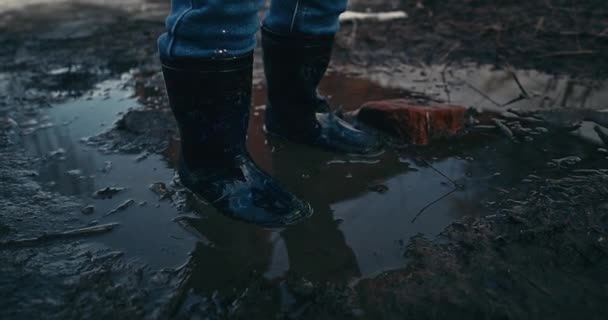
x,y
535,285
456,187
481,93
82,232
521,87
526,114
567,53
447,54
576,34
539,25
432,203
512,101
439,172
123,206
445,85
179,295
353,34
503,128
603,135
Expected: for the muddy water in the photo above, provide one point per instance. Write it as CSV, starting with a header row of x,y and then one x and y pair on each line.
x,y
366,208
69,166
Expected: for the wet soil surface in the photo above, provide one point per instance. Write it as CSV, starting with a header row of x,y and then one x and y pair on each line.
x,y
559,36
93,222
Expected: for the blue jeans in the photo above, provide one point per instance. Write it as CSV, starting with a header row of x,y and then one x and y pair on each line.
x,y
224,28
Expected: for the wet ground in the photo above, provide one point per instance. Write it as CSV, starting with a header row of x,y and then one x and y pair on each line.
x,y
91,143
104,181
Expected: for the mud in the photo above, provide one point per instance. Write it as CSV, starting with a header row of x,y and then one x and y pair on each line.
x,y
551,36
542,252
65,279
507,221
115,185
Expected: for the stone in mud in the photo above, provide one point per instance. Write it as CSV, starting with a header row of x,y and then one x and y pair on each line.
x,y
412,122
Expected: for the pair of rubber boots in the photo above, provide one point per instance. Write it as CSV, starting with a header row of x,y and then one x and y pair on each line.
x,y
210,100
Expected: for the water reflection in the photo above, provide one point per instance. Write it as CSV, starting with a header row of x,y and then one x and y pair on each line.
x,y
66,165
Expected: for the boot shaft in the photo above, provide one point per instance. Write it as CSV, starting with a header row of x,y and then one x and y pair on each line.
x,y
210,100
294,65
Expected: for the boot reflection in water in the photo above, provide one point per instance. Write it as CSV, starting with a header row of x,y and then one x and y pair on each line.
x,y
207,58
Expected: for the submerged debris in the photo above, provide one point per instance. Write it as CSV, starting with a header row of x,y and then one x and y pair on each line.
x,y
107,193
506,131
143,156
160,189
74,173
378,188
88,231
57,154
567,161
107,167
123,206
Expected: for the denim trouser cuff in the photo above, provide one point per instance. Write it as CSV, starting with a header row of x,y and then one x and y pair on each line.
x,y
224,28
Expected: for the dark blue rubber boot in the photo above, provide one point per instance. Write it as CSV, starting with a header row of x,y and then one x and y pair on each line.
x,y
210,100
294,65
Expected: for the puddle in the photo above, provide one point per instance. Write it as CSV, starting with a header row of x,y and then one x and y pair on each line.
x,y
71,167
366,208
